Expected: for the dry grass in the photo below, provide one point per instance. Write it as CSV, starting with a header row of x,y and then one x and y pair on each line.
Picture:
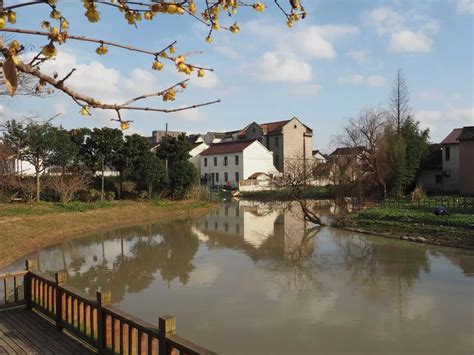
x,y
25,228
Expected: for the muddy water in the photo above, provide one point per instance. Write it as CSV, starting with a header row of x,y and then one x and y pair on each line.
x,y
254,278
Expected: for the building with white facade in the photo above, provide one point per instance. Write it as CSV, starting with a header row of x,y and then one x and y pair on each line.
x,y
225,164
195,154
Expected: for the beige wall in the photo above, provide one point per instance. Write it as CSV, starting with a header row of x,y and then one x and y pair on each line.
x,y
451,182
295,145
275,144
466,167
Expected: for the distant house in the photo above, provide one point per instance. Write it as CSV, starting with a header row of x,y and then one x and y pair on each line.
x,y
344,163
466,160
430,176
195,154
226,164
319,158
158,135
450,146
12,165
288,139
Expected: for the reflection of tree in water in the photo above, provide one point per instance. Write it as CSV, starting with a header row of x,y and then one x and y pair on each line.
x,y
171,254
383,268
297,271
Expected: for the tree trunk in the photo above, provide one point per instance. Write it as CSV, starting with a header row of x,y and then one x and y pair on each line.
x,y
150,191
37,184
103,182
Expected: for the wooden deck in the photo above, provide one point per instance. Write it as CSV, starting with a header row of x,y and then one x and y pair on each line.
x,y
26,332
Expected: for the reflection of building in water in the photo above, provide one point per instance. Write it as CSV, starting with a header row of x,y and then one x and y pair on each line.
x,y
261,229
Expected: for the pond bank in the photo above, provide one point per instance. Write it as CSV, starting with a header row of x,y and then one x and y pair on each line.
x,y
413,225
27,227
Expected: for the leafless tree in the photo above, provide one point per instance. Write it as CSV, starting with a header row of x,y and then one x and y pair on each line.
x,y
297,181
374,157
68,185
399,101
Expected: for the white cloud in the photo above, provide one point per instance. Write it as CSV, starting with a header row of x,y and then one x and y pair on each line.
x,y
228,52
357,79
465,7
375,80
351,79
441,122
409,41
408,31
311,41
284,67
360,56
208,81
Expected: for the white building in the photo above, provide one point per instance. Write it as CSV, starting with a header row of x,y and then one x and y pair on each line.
x,y
195,154
225,164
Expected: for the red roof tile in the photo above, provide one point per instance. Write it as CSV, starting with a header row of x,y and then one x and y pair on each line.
x,y
227,147
452,138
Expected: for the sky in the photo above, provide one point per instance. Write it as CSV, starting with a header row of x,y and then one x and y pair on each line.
x,y
343,57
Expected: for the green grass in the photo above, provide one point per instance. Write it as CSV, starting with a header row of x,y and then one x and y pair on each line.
x,y
319,192
78,206
44,208
413,215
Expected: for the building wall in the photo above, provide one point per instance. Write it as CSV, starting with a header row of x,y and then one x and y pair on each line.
x,y
427,179
451,182
275,144
294,143
221,169
195,157
466,167
257,159
254,131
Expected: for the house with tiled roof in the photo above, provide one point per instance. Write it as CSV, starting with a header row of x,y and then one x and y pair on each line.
x,y
466,160
450,147
227,163
458,161
287,139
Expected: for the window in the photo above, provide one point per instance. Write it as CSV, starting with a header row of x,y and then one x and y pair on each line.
x,y
226,226
447,153
215,161
215,225
225,161
205,176
237,228
226,177
277,160
226,211
439,179
295,126
217,177
236,160
237,177
277,141
205,161
253,129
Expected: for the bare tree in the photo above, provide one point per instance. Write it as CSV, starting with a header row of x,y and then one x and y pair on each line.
x,y
399,101
367,133
68,185
297,184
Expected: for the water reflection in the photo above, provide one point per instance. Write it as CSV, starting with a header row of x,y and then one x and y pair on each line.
x,y
253,278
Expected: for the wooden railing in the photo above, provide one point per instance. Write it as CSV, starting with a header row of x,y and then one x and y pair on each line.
x,y
105,328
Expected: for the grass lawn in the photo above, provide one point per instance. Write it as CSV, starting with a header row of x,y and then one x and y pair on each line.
x,y
27,227
456,229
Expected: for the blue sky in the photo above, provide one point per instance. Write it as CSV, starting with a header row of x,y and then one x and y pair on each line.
x,y
342,57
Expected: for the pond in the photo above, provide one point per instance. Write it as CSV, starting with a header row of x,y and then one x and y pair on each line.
x,y
255,278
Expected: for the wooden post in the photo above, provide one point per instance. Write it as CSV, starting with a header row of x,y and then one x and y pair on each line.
x,y
30,265
60,278
167,326
102,299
